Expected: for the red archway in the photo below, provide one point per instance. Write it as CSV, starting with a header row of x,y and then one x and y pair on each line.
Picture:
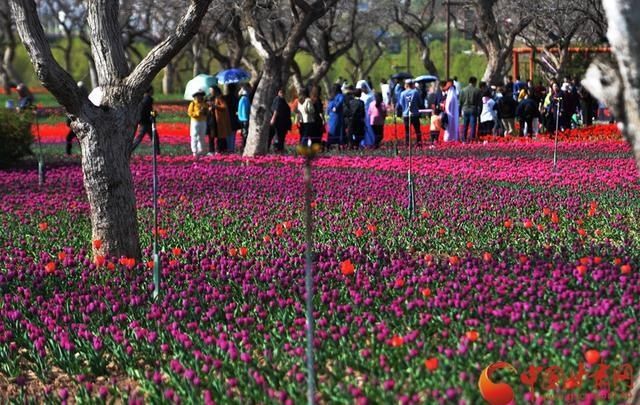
x,y
530,51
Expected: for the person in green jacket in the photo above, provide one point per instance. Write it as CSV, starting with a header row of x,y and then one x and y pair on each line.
x,y
470,103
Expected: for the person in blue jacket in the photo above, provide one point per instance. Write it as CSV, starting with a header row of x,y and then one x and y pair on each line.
x,y
335,111
244,109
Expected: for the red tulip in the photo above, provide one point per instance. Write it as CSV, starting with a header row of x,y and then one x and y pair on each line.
x,y
397,341
43,226
97,244
50,267
426,292
592,356
625,269
346,267
472,335
431,364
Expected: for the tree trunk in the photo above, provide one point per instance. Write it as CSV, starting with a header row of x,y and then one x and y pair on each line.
x,y
167,79
196,48
105,141
259,120
496,66
425,57
617,83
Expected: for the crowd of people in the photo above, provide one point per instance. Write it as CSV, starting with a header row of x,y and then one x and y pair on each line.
x,y
354,115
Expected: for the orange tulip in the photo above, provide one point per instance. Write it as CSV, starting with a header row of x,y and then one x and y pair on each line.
x,y
43,226
472,335
582,232
62,256
508,224
546,211
97,244
527,224
176,251
582,269
431,364
150,264
243,251
592,356
358,232
397,341
554,218
346,267
372,228
617,261
428,258
399,282
426,292
233,252
454,260
487,257
266,238
99,260
625,269
50,267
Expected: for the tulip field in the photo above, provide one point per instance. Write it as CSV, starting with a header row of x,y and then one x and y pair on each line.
x,y
506,260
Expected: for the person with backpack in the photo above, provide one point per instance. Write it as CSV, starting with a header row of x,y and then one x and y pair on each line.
x,y
506,108
528,112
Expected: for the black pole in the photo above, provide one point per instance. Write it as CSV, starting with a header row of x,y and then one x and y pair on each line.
x,y
309,152
41,167
156,258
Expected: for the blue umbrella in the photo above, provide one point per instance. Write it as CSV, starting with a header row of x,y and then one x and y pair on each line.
x,y
426,79
233,76
201,82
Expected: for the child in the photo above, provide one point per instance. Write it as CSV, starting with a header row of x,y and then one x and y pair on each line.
x,y
436,125
198,112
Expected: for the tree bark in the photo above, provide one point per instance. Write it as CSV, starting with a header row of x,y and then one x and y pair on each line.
x,y
107,178
617,83
260,117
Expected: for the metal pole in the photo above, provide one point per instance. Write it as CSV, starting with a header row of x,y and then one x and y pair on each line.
x,y
408,54
395,131
156,258
311,379
448,46
555,146
41,167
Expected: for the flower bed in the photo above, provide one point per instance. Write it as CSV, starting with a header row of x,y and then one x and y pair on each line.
x,y
506,260
178,133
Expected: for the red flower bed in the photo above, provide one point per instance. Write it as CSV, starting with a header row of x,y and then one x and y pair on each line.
x,y
178,133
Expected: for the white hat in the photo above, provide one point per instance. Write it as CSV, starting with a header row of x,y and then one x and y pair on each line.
x,y
408,81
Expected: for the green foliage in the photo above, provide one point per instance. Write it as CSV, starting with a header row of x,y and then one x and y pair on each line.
x,y
15,136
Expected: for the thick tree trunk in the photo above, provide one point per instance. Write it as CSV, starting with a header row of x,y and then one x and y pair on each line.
x,y
105,140
618,83
496,66
260,118
167,78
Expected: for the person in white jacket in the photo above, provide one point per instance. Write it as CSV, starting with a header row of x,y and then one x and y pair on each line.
x,y
488,115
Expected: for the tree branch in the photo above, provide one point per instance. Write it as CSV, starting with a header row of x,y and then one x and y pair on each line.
x,y
162,53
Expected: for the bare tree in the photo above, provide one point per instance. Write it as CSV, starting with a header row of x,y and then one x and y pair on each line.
x,y
70,17
415,18
329,38
366,52
105,130
494,27
556,25
275,30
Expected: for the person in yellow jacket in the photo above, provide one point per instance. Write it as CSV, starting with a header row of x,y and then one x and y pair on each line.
x,y
198,111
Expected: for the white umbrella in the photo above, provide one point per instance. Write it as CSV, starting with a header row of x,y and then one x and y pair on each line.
x,y
201,82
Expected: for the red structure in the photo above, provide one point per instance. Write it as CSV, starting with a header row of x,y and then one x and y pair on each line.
x,y
530,51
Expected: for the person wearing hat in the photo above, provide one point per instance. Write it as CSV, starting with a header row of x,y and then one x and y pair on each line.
x,y
244,107
409,103
198,110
